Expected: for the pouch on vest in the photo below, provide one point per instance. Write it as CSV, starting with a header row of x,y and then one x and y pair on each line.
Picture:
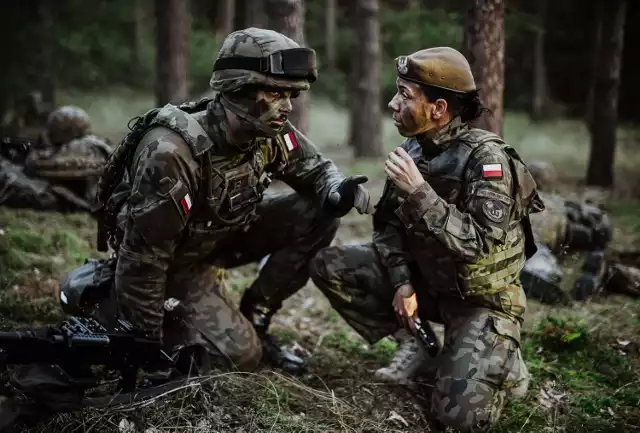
x,y
86,285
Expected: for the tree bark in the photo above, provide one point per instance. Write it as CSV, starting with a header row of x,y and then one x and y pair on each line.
x,y
172,31
256,15
225,18
45,77
288,18
330,35
596,44
484,48
540,89
137,35
366,110
605,95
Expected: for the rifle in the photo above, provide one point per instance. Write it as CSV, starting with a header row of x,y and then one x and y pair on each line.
x,y
15,149
82,342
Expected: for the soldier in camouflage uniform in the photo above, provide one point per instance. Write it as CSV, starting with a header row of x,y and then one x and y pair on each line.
x,y
565,226
61,176
451,234
182,200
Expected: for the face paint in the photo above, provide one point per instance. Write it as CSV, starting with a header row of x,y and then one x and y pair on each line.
x,y
273,107
411,109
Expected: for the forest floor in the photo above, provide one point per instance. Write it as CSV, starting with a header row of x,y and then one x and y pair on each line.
x,y
584,358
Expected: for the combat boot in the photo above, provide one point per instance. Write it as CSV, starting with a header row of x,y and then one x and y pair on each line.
x,y
409,361
260,317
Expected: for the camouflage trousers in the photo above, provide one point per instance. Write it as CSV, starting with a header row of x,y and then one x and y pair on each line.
x,y
290,230
480,363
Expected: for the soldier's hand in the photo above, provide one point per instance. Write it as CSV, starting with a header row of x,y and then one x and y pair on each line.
x,y
350,193
405,304
403,171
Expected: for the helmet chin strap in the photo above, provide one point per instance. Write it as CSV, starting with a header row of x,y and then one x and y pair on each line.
x,y
242,113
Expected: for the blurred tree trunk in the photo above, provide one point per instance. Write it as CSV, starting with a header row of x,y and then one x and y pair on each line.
x,y
256,15
240,14
172,18
45,76
596,44
540,89
484,48
288,18
225,18
137,30
366,116
605,95
330,35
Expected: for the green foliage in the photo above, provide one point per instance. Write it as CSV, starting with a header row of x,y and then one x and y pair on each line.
x,y
559,334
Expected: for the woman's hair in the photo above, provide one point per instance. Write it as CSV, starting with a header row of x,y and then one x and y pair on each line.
x,y
466,105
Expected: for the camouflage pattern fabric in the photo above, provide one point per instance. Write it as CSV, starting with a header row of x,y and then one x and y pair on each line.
x,y
67,123
216,220
481,360
254,42
563,227
462,228
60,180
460,241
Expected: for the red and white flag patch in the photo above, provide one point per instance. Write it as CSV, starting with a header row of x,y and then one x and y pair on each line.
x,y
290,141
492,171
186,203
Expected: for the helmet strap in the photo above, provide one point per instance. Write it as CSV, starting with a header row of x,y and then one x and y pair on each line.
x,y
243,114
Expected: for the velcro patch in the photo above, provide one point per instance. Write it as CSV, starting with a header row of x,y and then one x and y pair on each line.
x,y
492,171
185,202
290,141
495,210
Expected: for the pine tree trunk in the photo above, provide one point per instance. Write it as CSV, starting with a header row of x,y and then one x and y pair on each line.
x,y
484,48
225,18
366,109
605,95
137,35
596,44
256,15
172,31
330,35
540,90
288,18
44,60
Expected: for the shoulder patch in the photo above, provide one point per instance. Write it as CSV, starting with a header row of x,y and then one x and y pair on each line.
x,y
290,141
495,210
492,171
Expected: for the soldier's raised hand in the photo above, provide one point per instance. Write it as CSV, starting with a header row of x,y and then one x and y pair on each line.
x,y
350,193
403,171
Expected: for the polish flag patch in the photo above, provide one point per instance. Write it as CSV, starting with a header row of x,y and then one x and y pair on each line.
x,y
290,141
492,171
186,203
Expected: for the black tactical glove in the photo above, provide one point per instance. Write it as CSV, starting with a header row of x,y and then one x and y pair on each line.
x,y
350,194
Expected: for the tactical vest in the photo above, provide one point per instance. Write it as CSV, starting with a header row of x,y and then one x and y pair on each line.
x,y
491,274
227,198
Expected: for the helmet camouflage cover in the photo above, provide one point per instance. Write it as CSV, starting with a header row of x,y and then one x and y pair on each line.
x,y
262,57
66,123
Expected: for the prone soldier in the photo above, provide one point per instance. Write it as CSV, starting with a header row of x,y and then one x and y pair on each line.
x,y
61,176
182,199
451,234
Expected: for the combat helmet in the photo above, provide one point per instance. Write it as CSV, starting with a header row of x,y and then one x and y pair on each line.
x,y
441,67
262,57
66,123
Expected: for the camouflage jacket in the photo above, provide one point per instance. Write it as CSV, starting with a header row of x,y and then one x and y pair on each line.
x,y
81,158
463,230
167,182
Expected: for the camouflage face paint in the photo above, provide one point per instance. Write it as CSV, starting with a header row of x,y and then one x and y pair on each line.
x,y
411,109
273,106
